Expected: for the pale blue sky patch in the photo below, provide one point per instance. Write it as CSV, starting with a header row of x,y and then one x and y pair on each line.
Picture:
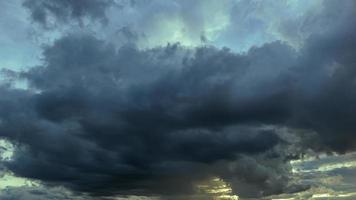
x,y
18,48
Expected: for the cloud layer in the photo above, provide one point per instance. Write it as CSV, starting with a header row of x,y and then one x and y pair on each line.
x,y
48,13
110,120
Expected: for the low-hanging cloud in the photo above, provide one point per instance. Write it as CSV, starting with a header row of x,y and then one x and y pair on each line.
x,y
107,120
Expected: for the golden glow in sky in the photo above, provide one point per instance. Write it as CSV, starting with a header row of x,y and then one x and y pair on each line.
x,y
217,189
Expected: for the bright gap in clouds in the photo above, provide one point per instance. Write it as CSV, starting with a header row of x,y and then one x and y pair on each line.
x,y
7,179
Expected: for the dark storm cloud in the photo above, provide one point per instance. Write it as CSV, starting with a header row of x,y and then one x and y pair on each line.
x,y
127,121
143,122
327,76
43,11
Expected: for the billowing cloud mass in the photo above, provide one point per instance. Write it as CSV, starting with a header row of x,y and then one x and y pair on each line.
x,y
103,119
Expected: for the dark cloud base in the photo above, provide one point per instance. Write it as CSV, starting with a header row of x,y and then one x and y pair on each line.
x,y
126,121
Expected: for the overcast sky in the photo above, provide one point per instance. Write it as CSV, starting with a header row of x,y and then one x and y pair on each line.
x,y
177,99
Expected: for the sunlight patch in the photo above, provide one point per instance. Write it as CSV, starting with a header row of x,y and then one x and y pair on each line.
x,y
217,189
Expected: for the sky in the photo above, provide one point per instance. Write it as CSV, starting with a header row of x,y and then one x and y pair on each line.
x,y
177,99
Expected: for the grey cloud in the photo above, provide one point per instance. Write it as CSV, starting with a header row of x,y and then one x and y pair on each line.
x,y
132,121
155,122
64,10
327,76
40,193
